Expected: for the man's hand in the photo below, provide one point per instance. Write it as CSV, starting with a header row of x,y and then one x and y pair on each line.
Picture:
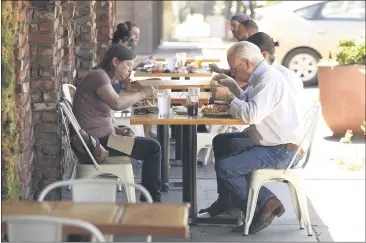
x,y
224,94
221,93
229,82
214,68
225,80
124,131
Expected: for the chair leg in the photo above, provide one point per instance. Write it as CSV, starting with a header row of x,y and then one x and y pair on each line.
x,y
148,238
302,199
73,175
207,155
251,204
295,202
119,188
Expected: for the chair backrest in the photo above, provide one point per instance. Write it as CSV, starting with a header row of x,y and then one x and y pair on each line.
x,y
93,190
70,116
310,120
35,228
68,92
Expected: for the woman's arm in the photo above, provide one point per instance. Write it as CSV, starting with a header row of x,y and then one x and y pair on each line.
x,y
125,99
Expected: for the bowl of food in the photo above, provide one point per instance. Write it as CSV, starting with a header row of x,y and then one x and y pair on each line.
x,y
216,110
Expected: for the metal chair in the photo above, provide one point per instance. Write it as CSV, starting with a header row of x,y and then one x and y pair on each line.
x,y
34,228
95,190
119,167
294,177
68,92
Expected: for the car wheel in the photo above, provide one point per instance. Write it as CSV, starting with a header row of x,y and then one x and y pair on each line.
x,y
303,62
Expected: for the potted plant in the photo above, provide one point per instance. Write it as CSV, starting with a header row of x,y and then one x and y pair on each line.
x,y
342,87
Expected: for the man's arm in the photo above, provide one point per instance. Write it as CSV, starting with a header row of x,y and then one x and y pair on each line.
x,y
264,97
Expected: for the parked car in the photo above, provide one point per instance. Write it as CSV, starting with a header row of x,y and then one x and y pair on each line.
x,y
308,30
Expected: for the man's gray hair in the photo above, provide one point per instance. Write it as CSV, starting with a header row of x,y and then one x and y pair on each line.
x,y
246,50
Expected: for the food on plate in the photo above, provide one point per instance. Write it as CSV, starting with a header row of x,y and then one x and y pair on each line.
x,y
214,83
215,108
144,103
221,102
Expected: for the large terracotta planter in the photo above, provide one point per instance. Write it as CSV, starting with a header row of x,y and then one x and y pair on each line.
x,y
342,96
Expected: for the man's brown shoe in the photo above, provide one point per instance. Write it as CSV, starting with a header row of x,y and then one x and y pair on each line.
x,y
264,218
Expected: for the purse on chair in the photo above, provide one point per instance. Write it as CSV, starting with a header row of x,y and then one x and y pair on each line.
x,y
99,153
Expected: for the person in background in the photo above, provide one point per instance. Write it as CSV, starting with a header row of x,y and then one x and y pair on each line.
x,y
272,110
245,29
94,101
268,49
235,22
128,34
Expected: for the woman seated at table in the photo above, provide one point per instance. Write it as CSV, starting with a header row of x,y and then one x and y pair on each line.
x,y
94,101
128,34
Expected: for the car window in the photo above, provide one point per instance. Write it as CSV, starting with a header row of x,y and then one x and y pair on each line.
x,y
346,10
308,12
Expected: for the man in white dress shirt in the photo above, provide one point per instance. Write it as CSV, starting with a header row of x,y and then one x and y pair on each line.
x,y
273,112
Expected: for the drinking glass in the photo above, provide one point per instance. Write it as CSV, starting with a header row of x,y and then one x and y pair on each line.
x,y
181,58
198,61
193,91
192,105
164,102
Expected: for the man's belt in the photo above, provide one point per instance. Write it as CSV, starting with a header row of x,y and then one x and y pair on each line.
x,y
294,147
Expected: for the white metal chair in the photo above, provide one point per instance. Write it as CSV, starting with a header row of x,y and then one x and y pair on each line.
x,y
34,228
294,177
95,190
68,92
118,166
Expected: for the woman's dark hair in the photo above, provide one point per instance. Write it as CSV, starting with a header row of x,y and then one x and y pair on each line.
x,y
123,33
265,43
123,53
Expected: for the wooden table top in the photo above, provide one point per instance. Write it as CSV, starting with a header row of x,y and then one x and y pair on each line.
x,y
189,60
179,98
173,75
177,84
153,119
166,220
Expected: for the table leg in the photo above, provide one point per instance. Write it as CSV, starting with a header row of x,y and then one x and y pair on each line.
x,y
190,169
163,138
178,142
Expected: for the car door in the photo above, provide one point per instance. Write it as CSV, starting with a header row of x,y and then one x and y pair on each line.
x,y
337,20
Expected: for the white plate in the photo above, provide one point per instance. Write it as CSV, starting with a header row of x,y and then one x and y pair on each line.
x,y
221,114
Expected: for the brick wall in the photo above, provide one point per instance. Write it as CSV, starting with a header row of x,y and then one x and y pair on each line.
x,y
56,44
68,58
85,37
104,26
45,39
23,101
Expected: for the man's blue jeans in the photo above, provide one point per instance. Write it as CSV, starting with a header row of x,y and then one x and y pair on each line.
x,y
236,158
